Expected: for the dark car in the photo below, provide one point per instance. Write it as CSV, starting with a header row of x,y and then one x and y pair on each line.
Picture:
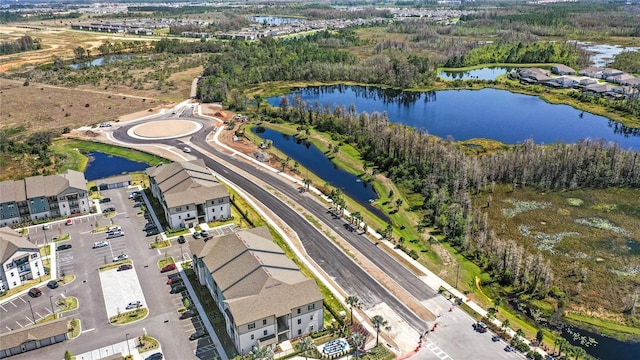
x,y
35,292
156,356
174,280
495,338
181,239
168,267
187,314
148,226
138,204
104,200
204,233
109,209
125,267
64,247
178,289
197,335
196,235
52,284
153,231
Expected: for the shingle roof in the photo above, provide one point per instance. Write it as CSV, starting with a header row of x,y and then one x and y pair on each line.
x,y
564,68
188,182
11,241
255,276
36,332
37,186
12,191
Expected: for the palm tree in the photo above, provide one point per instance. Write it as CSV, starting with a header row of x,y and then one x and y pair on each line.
x,y
353,302
304,345
519,334
261,353
562,344
356,339
379,323
505,325
307,182
497,302
578,352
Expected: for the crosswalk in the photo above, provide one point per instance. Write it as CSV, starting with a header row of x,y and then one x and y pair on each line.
x,y
437,351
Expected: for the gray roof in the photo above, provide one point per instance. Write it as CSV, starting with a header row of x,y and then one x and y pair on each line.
x,y
188,182
37,186
563,68
255,276
11,241
30,333
116,179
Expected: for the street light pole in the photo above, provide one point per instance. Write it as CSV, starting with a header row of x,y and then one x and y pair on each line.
x,y
128,348
32,314
51,301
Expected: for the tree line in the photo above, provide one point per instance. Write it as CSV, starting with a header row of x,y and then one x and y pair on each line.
x,y
24,43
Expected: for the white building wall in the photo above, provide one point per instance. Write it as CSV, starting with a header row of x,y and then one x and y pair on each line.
x,y
11,276
218,210
310,321
246,342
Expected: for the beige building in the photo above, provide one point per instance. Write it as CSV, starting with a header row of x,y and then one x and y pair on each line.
x,y
33,337
20,259
264,297
189,193
43,197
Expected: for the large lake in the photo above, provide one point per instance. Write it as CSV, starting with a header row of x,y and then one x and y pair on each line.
x,y
465,114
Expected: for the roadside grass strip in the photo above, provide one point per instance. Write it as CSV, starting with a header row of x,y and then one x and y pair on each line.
x,y
160,244
165,261
61,237
114,265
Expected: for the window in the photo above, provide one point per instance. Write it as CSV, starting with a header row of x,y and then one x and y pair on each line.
x,y
14,283
178,209
311,328
264,322
311,318
299,321
311,307
221,208
299,331
179,217
265,333
252,326
187,207
298,310
252,337
34,256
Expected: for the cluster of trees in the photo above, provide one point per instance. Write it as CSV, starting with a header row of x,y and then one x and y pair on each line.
x,y
245,63
33,148
522,53
24,43
176,46
118,47
628,61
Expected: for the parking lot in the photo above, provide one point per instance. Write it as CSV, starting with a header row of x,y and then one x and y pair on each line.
x,y
16,314
203,348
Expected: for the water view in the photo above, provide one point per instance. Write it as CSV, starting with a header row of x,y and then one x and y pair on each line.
x,y
465,114
103,165
101,61
603,54
309,156
488,73
606,348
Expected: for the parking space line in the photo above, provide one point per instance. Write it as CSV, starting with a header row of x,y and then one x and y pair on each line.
x,y
19,324
48,311
8,328
22,300
11,302
5,310
30,320
40,316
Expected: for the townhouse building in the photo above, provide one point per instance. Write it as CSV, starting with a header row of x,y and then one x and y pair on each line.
x,y
20,259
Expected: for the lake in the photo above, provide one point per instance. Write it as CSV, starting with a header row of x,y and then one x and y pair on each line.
x,y
466,114
603,54
103,165
607,348
488,73
309,156
101,61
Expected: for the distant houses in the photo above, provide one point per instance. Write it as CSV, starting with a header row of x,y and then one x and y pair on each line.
x,y
619,85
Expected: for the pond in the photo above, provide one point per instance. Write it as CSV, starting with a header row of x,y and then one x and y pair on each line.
x,y
465,114
309,156
273,20
603,54
101,61
488,73
606,348
103,165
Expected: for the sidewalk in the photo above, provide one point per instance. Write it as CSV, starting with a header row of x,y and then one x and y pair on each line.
x,y
122,348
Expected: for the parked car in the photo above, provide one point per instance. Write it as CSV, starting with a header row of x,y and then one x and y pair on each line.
x,y
46,227
204,233
186,149
181,239
197,335
187,314
168,267
134,195
508,348
125,267
115,234
148,226
480,327
103,125
495,338
64,247
99,244
112,229
156,356
120,257
52,284
178,289
68,222
104,200
138,204
134,305
153,231
174,280
196,235
35,292
109,209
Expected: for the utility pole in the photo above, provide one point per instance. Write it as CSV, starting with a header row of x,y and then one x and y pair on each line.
x,y
457,275
32,314
126,336
51,301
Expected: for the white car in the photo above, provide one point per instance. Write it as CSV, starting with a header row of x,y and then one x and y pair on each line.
x,y
134,305
186,149
99,244
114,234
120,257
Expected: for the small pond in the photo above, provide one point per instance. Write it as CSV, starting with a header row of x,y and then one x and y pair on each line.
x,y
465,114
488,73
101,61
273,20
603,54
606,348
309,156
103,165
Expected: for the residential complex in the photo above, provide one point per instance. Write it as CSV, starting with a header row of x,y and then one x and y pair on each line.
x,y
264,297
43,197
189,193
20,259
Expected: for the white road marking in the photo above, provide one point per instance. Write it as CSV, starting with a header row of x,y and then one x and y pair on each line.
x,y
84,331
63,296
8,328
5,310
30,320
22,300
39,316
19,324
